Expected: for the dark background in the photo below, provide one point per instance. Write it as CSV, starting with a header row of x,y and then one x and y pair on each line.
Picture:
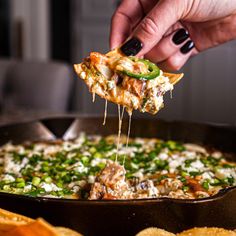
x,y
67,30
4,28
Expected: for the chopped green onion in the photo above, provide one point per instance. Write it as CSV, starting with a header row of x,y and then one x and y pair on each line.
x,y
205,184
36,181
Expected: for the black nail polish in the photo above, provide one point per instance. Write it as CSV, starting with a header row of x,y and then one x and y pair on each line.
x,y
180,36
187,47
131,47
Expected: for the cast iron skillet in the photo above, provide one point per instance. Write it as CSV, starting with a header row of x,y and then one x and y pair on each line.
x,y
126,217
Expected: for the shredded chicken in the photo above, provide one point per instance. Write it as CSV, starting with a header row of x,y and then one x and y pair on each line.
x,y
111,184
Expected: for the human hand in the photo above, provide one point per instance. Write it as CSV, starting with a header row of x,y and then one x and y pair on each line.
x,y
169,32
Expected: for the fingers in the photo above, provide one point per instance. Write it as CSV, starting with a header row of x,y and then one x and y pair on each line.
x,y
198,15
178,59
154,26
168,46
127,15
212,33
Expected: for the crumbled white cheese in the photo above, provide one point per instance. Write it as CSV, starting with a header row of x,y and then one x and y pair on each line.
x,y
207,175
173,164
97,161
197,164
225,173
91,179
8,178
10,166
139,140
130,151
81,168
51,149
189,154
27,188
163,156
40,147
75,188
49,187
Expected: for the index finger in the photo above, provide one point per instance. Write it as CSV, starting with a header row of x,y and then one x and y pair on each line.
x,y
154,26
125,18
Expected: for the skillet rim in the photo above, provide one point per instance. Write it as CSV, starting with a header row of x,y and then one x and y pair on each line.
x,y
219,196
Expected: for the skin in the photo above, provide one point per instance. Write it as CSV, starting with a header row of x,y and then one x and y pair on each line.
x,y
209,23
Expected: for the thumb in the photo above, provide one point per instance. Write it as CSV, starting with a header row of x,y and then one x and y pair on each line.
x,y
153,27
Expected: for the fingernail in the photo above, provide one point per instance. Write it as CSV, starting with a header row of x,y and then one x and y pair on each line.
x,y
131,47
180,36
187,47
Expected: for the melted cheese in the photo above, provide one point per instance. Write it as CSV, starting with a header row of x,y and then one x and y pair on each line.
x,y
120,115
171,93
128,134
105,113
100,72
94,96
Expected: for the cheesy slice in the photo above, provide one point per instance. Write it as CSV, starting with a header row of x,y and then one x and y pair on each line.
x,y
103,74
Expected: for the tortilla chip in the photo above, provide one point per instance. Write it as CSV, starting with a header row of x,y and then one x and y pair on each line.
x,y
174,78
37,228
9,220
130,94
12,224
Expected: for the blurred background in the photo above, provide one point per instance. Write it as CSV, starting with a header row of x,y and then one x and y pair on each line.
x,y
41,39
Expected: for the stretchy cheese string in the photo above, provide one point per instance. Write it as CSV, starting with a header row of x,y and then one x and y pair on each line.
x,y
128,134
94,97
120,115
118,136
105,113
